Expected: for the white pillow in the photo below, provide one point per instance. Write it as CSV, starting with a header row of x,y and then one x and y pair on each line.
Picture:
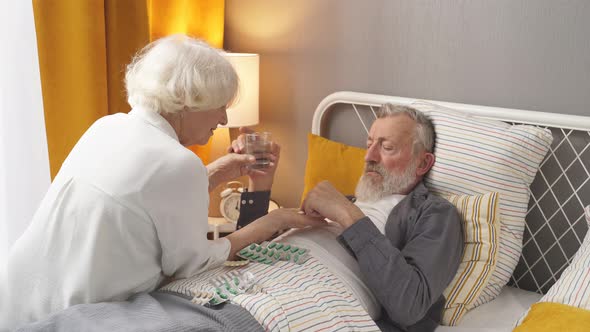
x,y
475,156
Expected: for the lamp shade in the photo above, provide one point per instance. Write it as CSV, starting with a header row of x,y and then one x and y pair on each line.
x,y
244,111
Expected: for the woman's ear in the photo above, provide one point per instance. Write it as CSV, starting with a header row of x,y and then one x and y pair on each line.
x,y
426,163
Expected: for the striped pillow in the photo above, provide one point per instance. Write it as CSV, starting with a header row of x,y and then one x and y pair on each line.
x,y
481,230
573,286
477,156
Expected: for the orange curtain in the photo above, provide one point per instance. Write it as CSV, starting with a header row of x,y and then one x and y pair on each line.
x,y
72,64
202,19
127,31
84,47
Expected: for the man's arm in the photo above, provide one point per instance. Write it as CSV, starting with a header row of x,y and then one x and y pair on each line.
x,y
408,281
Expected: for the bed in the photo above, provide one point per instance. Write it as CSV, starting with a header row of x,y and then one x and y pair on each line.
x,y
554,230
556,194
555,226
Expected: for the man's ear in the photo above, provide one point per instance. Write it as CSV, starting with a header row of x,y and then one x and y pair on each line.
x,y
425,164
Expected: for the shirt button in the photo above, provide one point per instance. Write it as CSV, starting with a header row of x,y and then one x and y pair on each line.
x,y
244,202
251,201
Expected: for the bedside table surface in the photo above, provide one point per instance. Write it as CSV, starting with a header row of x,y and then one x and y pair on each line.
x,y
220,225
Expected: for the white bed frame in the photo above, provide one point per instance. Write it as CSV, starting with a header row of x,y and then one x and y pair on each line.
x,y
543,119
548,248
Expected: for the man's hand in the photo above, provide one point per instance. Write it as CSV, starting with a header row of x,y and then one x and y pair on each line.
x,y
325,201
260,179
286,218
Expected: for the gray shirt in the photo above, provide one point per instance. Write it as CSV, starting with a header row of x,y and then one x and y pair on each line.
x,y
410,266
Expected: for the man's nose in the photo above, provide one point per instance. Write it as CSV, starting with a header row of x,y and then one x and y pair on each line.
x,y
372,153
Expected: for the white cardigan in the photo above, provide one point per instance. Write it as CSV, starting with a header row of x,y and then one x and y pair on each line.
x,y
128,207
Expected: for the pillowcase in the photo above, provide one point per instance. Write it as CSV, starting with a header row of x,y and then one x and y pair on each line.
x,y
573,286
475,156
549,317
338,163
481,231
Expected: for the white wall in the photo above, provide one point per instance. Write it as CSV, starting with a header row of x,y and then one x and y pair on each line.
x,y
24,164
527,54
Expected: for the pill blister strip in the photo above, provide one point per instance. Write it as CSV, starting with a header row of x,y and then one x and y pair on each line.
x,y
191,287
201,291
270,252
229,285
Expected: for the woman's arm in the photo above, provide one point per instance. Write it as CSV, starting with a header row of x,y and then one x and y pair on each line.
x,y
254,203
263,228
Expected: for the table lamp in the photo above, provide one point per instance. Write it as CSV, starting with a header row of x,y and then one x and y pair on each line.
x,y
243,112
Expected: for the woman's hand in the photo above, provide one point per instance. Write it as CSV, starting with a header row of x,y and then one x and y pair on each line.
x,y
228,167
260,179
264,227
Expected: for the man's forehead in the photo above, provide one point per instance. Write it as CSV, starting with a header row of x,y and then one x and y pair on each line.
x,y
392,128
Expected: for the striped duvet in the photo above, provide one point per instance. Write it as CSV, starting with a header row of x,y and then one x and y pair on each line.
x,y
291,297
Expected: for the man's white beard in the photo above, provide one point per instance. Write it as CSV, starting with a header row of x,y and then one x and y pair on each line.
x,y
373,188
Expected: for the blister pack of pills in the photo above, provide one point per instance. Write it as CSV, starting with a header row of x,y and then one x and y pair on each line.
x,y
236,263
229,285
270,252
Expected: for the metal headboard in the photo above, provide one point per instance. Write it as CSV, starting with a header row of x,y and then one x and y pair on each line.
x,y
555,225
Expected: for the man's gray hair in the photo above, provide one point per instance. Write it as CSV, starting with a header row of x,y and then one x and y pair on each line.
x,y
178,71
424,136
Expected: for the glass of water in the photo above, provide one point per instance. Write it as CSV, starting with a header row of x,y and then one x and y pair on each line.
x,y
259,145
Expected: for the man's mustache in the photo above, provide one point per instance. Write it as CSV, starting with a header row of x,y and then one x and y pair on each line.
x,y
375,167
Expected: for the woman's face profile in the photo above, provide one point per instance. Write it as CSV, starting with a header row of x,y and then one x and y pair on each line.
x,y
198,127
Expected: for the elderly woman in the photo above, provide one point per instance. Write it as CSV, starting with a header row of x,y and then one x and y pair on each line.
x,y
129,205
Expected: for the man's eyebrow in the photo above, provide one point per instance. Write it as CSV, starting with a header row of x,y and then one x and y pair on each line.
x,y
379,139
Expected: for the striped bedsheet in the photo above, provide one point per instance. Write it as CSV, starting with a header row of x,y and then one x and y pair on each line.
x,y
290,297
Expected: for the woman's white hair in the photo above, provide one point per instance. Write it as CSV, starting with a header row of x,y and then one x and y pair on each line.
x,y
178,71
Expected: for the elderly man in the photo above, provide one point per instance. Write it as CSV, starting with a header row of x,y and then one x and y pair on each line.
x,y
407,241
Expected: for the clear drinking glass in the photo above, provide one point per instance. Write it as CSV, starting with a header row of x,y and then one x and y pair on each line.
x,y
259,145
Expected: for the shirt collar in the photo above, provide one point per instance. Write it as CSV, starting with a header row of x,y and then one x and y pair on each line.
x,y
420,190
154,119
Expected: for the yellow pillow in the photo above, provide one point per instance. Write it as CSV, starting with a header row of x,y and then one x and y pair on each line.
x,y
481,235
338,163
550,316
